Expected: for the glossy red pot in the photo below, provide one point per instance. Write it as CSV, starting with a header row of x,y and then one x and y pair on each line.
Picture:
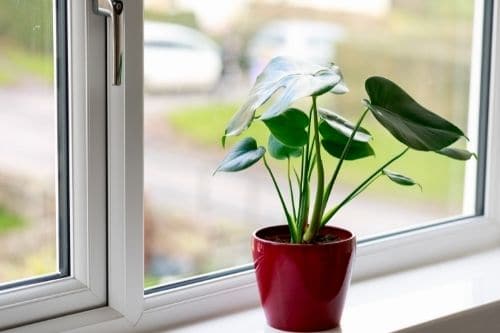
x,y
303,286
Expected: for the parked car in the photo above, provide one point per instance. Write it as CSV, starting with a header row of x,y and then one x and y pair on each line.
x,y
307,40
178,58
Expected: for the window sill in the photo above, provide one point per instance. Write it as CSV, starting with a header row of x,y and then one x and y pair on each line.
x,y
457,293
460,295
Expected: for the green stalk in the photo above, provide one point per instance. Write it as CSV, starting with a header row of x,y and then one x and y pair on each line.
x,y
303,213
315,223
292,196
313,164
341,160
361,187
291,224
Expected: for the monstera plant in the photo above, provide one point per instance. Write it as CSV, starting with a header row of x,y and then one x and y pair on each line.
x,y
319,133
311,136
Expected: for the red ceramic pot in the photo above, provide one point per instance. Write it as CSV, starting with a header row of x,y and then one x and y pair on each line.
x,y
303,286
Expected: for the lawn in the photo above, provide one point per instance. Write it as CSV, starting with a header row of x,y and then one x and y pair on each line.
x,y
440,177
16,63
36,64
9,221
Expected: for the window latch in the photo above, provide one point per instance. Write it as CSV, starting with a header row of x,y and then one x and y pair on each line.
x,y
113,9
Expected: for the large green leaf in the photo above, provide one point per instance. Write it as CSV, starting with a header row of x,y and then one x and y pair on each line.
x,y
243,154
406,120
356,150
335,126
456,153
281,151
297,78
289,127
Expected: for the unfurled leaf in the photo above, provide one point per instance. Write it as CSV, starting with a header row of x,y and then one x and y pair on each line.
x,y
406,120
356,150
242,155
297,78
335,125
456,153
289,127
400,179
281,151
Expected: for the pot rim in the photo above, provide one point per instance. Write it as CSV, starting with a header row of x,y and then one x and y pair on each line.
x,y
351,238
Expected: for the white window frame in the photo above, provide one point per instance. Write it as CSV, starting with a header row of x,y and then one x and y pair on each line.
x,y
127,309
86,286
229,293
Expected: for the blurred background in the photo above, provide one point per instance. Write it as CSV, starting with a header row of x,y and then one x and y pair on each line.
x,y
28,140
200,60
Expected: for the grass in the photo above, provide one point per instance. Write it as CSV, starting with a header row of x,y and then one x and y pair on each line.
x,y
9,221
151,281
6,77
39,65
440,177
16,62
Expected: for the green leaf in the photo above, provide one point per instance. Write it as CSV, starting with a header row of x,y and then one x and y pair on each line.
x,y
356,151
297,78
456,153
289,127
281,151
243,154
400,179
335,126
406,120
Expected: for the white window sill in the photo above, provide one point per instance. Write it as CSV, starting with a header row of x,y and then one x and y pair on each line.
x,y
460,294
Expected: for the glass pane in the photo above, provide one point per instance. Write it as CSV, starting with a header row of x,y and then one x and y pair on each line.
x,y
201,58
28,132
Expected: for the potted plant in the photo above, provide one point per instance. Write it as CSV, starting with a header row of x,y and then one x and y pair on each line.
x,y
303,268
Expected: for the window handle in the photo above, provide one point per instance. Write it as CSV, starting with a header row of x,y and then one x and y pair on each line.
x,y
113,9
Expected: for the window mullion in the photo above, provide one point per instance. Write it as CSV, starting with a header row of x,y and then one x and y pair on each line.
x,y
125,171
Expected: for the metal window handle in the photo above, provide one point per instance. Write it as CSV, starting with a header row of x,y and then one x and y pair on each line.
x,y
113,9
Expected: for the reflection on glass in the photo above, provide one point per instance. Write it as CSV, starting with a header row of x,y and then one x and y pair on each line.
x,y
202,58
27,135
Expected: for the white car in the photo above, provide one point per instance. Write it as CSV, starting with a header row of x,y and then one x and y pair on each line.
x,y
178,58
306,40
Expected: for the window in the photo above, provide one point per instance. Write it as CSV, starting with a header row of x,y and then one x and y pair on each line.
x,y
196,223
29,157
145,236
52,213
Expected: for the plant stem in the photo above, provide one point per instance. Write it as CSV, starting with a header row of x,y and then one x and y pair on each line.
x,y
361,187
341,160
303,213
311,169
315,223
292,196
291,224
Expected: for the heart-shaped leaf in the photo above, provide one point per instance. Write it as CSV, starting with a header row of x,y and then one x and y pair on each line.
x,y
356,150
456,153
289,127
400,179
335,125
243,154
406,120
298,78
280,151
